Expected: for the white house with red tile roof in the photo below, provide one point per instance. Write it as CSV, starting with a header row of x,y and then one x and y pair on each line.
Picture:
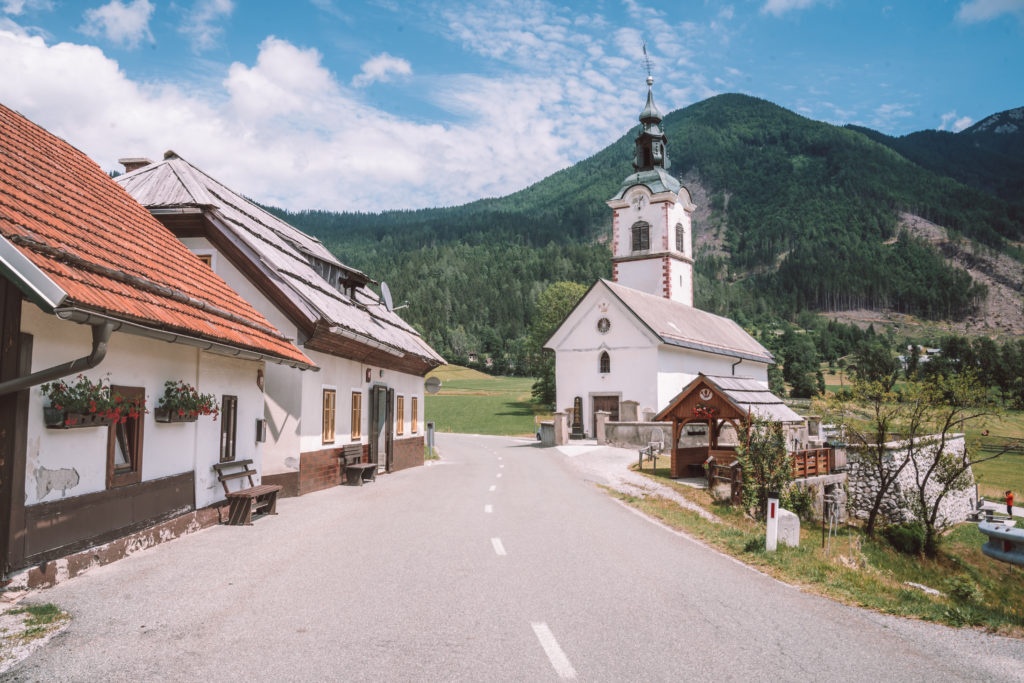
x,y
91,284
369,392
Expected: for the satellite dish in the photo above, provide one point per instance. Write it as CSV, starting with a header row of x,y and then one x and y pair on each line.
x,y
385,293
433,385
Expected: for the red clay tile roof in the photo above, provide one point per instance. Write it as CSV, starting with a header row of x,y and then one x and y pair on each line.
x,y
108,253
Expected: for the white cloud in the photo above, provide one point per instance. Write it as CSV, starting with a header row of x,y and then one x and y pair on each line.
x,y
126,25
381,68
780,7
17,7
975,11
201,23
951,122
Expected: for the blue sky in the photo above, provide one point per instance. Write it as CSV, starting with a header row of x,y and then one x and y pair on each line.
x,y
394,104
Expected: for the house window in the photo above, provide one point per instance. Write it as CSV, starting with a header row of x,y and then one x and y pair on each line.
x,y
327,431
206,258
228,427
124,444
414,415
680,237
357,414
606,363
641,236
400,415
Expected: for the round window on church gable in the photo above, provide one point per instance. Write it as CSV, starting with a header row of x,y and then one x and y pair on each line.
x,y
603,325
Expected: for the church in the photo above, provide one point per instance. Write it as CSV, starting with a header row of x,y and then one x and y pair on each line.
x,y
638,337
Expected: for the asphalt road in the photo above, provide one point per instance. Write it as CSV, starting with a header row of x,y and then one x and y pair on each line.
x,y
503,562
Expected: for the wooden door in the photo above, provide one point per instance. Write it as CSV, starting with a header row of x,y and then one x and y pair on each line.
x,y
606,403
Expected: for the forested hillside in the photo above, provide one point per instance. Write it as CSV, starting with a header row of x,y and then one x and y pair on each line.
x,y
804,215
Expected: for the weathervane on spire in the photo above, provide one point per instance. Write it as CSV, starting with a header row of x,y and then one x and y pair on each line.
x,y
647,65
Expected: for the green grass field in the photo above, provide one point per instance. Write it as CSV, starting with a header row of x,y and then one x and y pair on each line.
x,y
472,402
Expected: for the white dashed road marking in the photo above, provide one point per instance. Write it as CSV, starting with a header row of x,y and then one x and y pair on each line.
x,y
492,487
558,659
488,508
499,549
499,475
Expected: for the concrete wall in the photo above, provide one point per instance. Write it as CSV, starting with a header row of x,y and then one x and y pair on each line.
x,y
62,463
639,434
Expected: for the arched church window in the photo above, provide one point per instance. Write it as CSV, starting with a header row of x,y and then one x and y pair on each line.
x,y
641,236
606,363
680,237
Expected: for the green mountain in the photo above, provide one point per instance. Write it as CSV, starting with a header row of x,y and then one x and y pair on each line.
x,y
988,156
799,215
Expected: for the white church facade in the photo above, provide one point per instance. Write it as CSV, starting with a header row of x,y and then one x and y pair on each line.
x,y
638,337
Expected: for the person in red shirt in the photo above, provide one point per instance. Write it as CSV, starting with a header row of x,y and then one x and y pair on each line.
x,y
1009,504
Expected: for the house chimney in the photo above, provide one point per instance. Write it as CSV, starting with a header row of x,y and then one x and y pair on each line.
x,y
133,163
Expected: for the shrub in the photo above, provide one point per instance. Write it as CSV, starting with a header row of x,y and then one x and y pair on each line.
x,y
962,589
799,501
908,538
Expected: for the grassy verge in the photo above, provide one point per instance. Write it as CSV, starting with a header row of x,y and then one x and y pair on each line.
x,y
474,403
977,591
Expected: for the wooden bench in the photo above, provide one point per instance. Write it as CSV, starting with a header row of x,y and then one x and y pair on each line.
x,y
246,502
357,471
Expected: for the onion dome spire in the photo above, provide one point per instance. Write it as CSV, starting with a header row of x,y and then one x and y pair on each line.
x,y
650,143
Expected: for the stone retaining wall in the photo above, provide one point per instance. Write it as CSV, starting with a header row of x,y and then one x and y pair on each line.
x,y
638,434
896,508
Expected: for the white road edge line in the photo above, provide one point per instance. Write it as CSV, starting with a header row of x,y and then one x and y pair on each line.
x,y
499,549
555,655
488,508
492,487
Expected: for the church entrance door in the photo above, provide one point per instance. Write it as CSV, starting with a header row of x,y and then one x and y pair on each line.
x,y
606,403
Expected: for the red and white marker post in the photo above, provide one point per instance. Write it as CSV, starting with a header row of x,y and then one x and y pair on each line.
x,y
772,533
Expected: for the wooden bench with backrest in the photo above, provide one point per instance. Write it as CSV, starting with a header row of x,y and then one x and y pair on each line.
x,y
246,502
357,471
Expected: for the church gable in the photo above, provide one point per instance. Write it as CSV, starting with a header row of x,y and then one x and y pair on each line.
x,y
601,320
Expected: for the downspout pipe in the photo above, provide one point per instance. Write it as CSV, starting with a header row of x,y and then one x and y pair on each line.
x,y
100,336
734,366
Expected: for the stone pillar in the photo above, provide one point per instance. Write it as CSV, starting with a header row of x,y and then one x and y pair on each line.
x,y
561,429
602,417
627,411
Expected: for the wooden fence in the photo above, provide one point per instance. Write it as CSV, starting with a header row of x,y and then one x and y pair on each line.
x,y
812,462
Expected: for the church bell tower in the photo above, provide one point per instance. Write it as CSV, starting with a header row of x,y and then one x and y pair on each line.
x,y
652,239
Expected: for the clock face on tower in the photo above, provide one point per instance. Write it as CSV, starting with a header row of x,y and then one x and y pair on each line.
x,y
639,201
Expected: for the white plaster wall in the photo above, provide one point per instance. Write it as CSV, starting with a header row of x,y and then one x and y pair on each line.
x,y
632,353
220,375
678,367
347,376
73,462
644,275
681,277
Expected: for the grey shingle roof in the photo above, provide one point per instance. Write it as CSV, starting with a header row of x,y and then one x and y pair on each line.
x,y
753,397
176,184
680,325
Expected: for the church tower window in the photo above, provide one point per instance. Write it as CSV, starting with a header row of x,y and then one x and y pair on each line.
x,y
680,237
641,236
605,363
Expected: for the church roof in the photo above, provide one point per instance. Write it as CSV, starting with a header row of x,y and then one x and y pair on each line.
x,y
685,326
293,262
656,180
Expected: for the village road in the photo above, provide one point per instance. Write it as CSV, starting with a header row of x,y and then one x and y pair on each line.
x,y
503,562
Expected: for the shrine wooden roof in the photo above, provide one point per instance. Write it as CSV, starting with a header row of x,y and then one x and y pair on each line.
x,y
730,398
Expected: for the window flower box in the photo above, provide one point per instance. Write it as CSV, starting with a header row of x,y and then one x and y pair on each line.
x,y
167,416
182,403
84,403
69,419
